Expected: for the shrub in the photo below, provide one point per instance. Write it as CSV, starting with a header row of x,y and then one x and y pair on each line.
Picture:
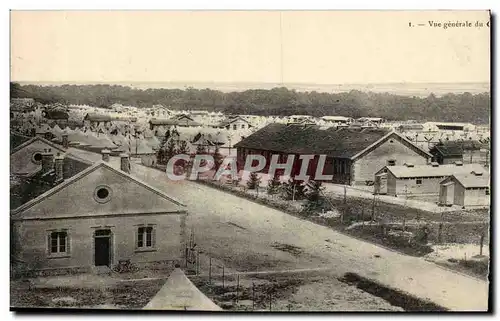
x,y
254,181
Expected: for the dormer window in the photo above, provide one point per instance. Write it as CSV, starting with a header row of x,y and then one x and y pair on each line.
x,y
391,162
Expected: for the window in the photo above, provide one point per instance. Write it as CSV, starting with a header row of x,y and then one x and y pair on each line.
x,y
37,158
487,191
102,194
391,162
58,243
145,237
419,181
235,126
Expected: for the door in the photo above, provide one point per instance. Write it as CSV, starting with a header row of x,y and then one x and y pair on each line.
x,y
380,184
102,247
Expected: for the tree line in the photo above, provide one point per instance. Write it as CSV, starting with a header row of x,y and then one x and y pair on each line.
x,y
465,107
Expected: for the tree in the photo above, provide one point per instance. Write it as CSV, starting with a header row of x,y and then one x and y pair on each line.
x,y
253,181
315,201
314,190
200,149
293,190
183,148
273,185
218,159
170,150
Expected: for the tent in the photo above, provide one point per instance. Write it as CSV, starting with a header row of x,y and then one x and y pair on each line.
x,y
179,293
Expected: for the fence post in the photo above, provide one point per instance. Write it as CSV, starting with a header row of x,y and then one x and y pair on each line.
x,y
270,301
373,209
481,244
223,287
237,287
253,296
210,271
197,263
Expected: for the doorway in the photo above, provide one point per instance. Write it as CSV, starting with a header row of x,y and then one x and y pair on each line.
x,y
102,247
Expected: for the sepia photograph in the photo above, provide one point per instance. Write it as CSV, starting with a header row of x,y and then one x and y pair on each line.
x,y
250,161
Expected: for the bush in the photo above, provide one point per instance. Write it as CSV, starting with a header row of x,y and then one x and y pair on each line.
x,y
254,181
293,190
274,185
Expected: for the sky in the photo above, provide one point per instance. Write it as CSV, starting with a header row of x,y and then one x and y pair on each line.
x,y
300,47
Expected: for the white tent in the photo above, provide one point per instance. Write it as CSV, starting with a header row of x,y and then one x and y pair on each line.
x,y
179,293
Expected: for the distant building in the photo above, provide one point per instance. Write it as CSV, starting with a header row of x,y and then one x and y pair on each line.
x,y
466,151
94,119
466,189
371,121
233,123
180,120
418,180
450,127
354,155
337,120
98,217
26,158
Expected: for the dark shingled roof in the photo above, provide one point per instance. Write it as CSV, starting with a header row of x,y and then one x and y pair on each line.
x,y
23,188
456,148
17,139
312,139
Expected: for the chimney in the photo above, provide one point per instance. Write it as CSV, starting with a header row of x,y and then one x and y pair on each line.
x,y
125,163
40,133
409,165
65,140
59,168
47,160
105,154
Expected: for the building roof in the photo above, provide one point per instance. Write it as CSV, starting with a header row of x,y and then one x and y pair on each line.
x,y
17,139
411,127
404,171
178,120
56,113
448,150
318,140
231,120
457,147
129,196
25,188
179,293
469,180
336,118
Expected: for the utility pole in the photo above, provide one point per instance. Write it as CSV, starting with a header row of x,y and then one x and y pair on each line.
x,y
404,214
210,270
373,208
481,243
344,209
237,287
253,296
223,285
